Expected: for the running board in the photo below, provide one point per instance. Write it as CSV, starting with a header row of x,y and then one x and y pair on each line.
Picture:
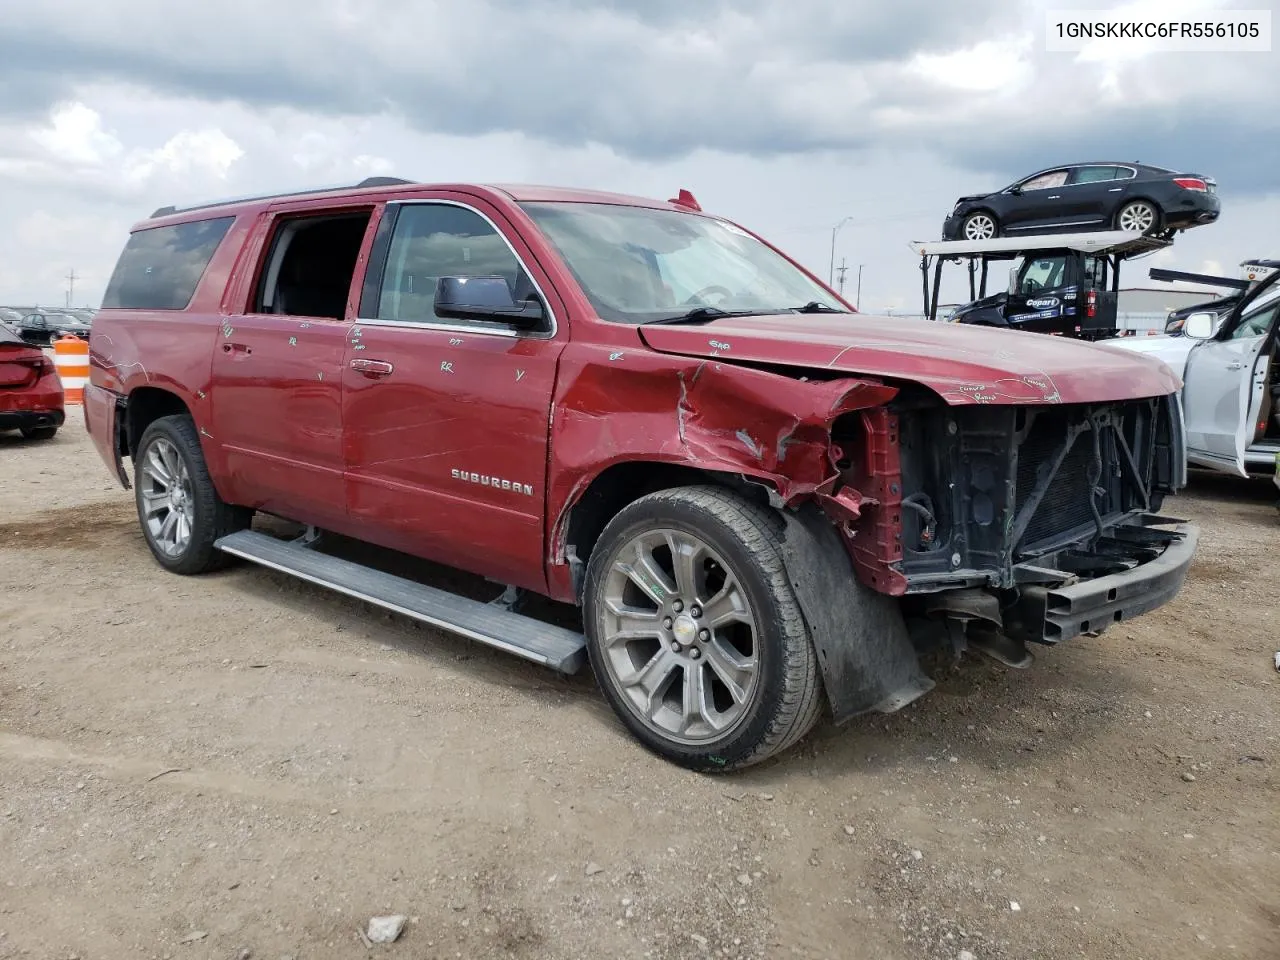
x,y
552,646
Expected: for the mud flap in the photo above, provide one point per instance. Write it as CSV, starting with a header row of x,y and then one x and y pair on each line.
x,y
120,443
868,661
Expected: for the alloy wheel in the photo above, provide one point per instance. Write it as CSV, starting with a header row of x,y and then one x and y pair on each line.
x,y
979,227
168,503
1137,218
679,638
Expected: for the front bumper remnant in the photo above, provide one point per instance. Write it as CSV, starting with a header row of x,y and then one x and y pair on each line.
x,y
1090,606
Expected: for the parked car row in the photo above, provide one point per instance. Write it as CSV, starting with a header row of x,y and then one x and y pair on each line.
x,y
1107,195
42,326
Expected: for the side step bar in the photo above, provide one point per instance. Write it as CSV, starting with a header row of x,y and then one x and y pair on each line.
x,y
552,646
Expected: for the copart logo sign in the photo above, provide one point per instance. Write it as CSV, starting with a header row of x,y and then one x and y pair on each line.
x,y
1044,303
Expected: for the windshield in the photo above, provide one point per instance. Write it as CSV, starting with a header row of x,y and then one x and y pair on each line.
x,y
638,264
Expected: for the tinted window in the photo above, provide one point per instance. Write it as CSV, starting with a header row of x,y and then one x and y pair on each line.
x,y
160,267
1092,174
433,241
1095,272
1046,180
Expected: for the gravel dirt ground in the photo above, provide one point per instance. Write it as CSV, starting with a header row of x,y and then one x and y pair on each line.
x,y
239,766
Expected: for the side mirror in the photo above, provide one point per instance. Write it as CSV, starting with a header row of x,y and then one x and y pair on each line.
x,y
485,298
1200,326
1016,190
1013,279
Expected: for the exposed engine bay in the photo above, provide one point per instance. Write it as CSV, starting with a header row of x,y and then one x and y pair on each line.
x,y
1007,514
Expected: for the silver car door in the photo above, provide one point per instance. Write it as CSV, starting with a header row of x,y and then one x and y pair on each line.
x,y
1219,393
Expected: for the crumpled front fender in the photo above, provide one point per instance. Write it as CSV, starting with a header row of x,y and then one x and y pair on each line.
x,y
615,406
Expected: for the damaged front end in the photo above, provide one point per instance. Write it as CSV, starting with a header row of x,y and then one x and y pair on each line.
x,y
911,522
1036,523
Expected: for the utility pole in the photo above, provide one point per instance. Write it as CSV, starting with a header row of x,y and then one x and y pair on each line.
x,y
842,270
857,303
71,285
831,275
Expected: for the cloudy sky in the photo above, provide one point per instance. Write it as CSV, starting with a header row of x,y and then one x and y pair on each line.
x,y
786,116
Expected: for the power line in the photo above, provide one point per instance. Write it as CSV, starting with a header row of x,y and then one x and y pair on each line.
x,y
893,219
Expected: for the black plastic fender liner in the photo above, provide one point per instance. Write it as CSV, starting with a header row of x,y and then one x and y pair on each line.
x,y
868,661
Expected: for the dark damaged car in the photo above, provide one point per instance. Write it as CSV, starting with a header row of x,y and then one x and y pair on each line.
x,y
765,505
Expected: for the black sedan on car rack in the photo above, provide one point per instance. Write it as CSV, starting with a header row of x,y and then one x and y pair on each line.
x,y
1134,197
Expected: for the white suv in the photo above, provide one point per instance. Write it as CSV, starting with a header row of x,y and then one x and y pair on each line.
x,y
1231,374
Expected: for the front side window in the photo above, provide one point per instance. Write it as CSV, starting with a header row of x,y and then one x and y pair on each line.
x,y
1043,273
1045,181
640,264
439,240
161,266
1257,323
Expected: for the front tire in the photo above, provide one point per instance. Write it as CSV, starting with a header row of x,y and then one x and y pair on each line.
x,y
39,433
180,511
980,225
694,632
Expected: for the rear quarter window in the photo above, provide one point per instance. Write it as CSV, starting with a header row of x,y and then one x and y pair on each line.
x,y
160,267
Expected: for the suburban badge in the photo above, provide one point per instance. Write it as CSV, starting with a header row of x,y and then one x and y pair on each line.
x,y
497,483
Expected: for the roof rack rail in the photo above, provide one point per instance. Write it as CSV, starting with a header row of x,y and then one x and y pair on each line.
x,y
366,183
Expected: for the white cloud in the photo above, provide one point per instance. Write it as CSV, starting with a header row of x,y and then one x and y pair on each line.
x,y
786,116
74,134
992,66
206,153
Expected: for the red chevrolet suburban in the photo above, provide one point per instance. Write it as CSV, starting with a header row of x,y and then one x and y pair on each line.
x,y
762,501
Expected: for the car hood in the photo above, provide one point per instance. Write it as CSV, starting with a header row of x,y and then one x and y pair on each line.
x,y
1172,351
995,300
973,196
962,364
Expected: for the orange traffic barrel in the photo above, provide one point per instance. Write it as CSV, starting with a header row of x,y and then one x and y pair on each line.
x,y
71,357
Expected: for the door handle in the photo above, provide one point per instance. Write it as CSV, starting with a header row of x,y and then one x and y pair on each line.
x,y
1235,365
1056,196
374,369
238,348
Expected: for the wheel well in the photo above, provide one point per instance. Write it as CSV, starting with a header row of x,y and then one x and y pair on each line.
x,y
147,405
624,483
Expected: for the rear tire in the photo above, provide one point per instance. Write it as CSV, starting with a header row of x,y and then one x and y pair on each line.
x,y
39,433
179,510
707,661
1138,216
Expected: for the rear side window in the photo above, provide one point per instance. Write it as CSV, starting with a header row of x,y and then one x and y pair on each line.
x,y
1093,174
160,267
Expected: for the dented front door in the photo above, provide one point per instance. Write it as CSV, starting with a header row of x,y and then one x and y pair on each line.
x,y
276,386
445,422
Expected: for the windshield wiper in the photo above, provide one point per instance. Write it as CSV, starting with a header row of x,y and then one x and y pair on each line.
x,y
817,306
703,315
